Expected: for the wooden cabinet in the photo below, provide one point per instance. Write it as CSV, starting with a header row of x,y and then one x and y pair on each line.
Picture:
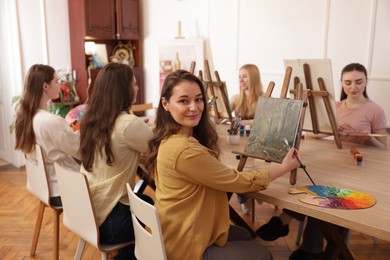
x,y
109,22
111,19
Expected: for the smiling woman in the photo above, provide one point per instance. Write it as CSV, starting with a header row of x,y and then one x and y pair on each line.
x,y
192,184
186,106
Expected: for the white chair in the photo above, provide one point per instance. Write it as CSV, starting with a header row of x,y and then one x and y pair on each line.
x,y
79,213
149,241
37,184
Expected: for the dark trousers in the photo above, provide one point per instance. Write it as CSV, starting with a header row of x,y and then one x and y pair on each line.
x,y
238,246
312,241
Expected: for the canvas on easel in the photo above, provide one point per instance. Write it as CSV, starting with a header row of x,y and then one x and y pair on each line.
x,y
301,95
292,135
275,119
316,76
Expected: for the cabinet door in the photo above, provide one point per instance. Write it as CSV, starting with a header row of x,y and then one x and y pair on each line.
x,y
127,19
100,19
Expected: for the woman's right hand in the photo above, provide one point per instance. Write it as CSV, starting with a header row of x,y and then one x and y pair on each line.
x,y
289,161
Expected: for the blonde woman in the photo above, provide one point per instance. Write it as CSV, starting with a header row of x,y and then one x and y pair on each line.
x,y
244,103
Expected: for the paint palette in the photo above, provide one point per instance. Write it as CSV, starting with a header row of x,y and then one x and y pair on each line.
x,y
333,197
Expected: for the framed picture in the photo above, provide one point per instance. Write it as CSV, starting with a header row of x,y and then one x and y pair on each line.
x,y
178,54
100,57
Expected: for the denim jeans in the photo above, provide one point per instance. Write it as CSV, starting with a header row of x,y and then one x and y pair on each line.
x,y
118,228
242,199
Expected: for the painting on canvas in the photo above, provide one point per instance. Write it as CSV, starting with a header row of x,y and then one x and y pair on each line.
x,y
275,119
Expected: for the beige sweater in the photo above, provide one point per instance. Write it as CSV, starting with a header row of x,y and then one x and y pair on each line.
x,y
59,144
129,139
191,196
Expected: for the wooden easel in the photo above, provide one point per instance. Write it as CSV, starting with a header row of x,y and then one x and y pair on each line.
x,y
311,99
210,88
302,95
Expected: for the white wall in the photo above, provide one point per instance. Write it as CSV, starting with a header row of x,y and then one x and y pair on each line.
x,y
236,32
266,32
32,31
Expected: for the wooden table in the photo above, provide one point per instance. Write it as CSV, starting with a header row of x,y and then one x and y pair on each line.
x,y
330,166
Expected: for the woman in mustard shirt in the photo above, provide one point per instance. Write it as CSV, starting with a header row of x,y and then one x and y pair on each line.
x,y
192,184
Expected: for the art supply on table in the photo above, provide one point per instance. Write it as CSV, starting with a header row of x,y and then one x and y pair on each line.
x,y
356,155
235,126
242,130
301,165
247,130
233,139
357,134
333,197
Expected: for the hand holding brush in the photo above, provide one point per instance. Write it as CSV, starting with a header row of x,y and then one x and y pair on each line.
x,y
301,165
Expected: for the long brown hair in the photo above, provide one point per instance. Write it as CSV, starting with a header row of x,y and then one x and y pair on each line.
x,y
165,124
353,67
112,94
29,104
246,105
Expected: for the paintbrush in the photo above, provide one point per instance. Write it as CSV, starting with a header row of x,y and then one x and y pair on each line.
x,y
361,134
235,125
301,165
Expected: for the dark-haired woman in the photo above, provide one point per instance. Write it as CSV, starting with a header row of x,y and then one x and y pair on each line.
x,y
111,142
192,184
36,125
356,114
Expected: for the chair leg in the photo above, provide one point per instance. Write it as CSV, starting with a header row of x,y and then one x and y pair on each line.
x,y
80,249
38,224
56,234
104,256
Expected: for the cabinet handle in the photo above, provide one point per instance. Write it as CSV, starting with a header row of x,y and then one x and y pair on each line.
x,y
118,35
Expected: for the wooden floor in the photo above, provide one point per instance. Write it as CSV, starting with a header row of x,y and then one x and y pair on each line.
x,y
18,212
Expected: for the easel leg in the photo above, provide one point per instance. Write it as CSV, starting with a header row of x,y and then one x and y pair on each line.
x,y
332,118
293,177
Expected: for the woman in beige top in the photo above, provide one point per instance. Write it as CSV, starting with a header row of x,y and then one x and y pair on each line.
x,y
111,141
192,184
